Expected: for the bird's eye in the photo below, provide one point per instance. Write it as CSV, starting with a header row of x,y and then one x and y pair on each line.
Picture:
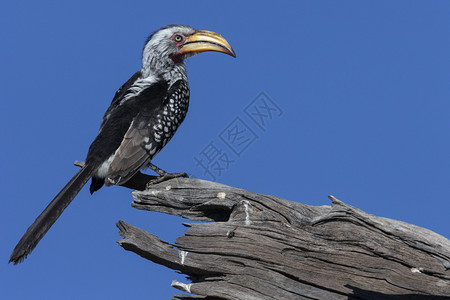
x,y
178,38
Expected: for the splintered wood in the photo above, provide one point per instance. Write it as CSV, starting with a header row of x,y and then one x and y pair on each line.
x,y
255,246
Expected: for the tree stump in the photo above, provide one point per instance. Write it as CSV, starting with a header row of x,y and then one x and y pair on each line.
x,y
254,246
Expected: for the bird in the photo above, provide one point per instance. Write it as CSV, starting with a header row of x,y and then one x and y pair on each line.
x,y
141,119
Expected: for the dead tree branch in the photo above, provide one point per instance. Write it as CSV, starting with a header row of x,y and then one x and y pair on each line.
x,y
255,246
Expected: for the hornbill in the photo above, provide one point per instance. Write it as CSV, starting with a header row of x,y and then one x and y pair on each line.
x,y
143,116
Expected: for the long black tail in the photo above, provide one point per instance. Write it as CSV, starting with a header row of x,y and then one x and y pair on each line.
x,y
50,214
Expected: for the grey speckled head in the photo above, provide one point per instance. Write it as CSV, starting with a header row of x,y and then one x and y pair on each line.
x,y
172,44
161,48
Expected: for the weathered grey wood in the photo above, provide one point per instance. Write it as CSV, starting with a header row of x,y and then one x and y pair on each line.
x,y
264,247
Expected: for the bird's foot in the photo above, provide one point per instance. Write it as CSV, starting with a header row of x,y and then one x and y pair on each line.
x,y
166,176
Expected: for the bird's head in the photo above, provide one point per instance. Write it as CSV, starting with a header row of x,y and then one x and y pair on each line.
x,y
172,44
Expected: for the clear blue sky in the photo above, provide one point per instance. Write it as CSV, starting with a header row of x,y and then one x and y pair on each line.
x,y
363,97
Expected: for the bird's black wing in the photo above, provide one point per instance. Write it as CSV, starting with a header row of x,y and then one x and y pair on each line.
x,y
131,155
119,95
139,145
120,115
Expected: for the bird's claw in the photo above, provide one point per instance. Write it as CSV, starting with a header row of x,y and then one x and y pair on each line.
x,y
165,177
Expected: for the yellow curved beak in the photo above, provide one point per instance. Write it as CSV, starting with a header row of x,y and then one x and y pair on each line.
x,y
204,40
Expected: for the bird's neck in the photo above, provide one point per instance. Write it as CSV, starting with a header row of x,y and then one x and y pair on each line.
x,y
169,72
178,72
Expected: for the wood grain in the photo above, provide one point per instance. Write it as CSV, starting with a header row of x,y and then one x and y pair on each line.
x,y
255,246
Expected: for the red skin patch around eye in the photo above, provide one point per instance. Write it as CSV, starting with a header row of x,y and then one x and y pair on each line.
x,y
177,57
180,42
